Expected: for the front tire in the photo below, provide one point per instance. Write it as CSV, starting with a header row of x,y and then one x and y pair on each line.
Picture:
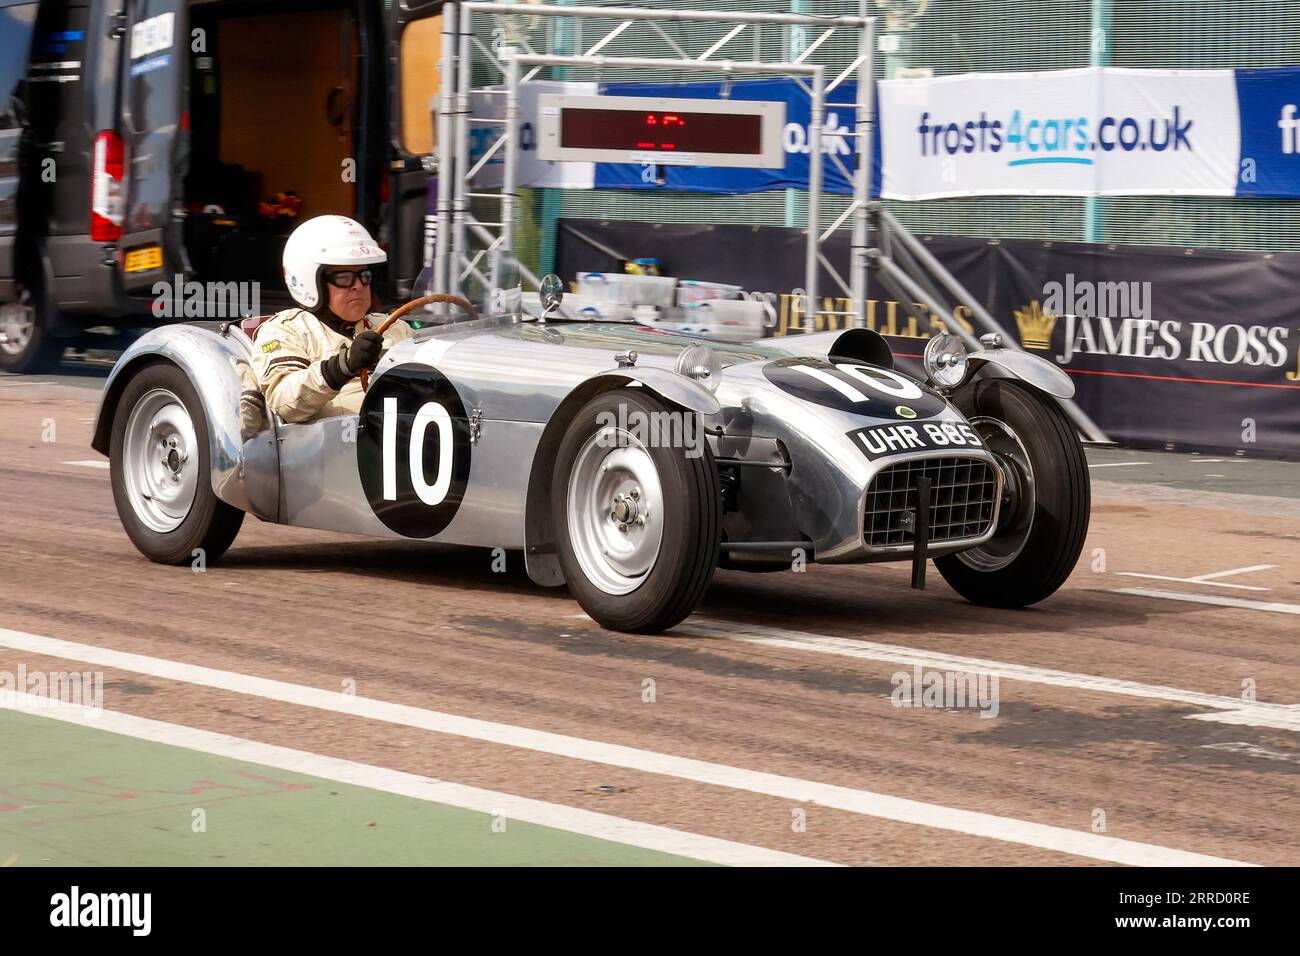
x,y
637,520
160,467
1042,527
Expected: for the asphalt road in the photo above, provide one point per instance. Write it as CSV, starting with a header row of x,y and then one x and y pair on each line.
x,y
1147,713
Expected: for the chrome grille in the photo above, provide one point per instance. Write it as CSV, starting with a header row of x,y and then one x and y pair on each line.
x,y
963,493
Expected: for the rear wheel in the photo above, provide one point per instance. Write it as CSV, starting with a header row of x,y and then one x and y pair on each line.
x,y
26,344
637,521
161,471
1046,503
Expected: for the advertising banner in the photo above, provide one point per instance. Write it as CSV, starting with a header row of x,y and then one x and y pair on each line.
x,y
1269,105
1191,352
1065,132
1084,132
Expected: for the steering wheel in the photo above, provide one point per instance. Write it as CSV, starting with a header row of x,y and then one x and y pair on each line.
x,y
463,304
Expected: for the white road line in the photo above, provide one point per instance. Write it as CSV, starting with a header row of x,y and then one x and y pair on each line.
x,y
524,809
911,657
1119,464
1210,579
1251,750
89,464
1058,839
1224,574
1214,584
1286,720
1231,710
1276,607
21,384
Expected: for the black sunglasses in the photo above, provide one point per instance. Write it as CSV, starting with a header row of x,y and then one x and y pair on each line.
x,y
346,278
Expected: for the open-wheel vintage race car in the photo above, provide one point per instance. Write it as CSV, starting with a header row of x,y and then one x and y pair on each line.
x,y
623,461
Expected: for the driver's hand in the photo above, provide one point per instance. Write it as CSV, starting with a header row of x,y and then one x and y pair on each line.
x,y
364,351
361,355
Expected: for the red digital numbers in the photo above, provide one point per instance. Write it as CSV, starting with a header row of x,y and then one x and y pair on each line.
x,y
598,128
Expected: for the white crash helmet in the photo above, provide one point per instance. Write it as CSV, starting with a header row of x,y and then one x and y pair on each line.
x,y
325,241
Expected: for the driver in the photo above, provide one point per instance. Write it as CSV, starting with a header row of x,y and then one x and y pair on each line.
x,y
307,360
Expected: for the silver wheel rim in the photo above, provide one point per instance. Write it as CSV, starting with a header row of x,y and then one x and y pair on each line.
x,y
17,323
615,511
1014,524
160,461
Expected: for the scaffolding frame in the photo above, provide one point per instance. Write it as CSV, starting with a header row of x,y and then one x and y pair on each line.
x,y
453,262
900,261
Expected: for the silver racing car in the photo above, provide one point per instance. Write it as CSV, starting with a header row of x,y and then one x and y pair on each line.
x,y
623,461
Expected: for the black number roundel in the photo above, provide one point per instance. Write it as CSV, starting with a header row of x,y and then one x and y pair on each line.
x,y
413,450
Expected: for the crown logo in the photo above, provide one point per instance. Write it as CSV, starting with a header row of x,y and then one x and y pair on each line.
x,y
1035,326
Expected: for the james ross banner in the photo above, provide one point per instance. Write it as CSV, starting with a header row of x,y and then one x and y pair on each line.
x,y
1166,349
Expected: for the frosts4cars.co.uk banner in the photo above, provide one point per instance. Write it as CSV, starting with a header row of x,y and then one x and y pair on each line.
x,y
1095,131
1067,132
1107,132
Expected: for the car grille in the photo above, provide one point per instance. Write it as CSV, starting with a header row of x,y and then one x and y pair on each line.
x,y
963,493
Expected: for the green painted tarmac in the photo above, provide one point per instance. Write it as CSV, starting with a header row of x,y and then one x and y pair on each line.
x,y
74,796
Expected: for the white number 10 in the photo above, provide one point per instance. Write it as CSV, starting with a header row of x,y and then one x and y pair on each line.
x,y
430,413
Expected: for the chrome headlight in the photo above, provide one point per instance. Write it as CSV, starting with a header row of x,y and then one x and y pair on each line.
x,y
945,360
701,364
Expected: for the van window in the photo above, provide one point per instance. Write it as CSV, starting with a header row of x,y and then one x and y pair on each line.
x,y
421,51
15,35
153,93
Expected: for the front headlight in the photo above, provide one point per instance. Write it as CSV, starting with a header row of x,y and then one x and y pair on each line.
x,y
700,363
945,360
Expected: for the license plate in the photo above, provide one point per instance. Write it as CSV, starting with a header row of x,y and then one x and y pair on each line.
x,y
882,440
143,259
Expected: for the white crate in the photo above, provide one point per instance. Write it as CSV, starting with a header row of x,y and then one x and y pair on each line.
x,y
694,290
614,288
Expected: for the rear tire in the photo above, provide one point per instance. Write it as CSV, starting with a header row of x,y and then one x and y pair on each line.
x,y
648,572
1040,537
28,346
161,471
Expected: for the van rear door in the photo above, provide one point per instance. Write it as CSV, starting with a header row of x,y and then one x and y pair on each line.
x,y
415,37
16,23
152,83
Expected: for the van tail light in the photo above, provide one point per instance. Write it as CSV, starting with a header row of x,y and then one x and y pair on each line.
x,y
108,188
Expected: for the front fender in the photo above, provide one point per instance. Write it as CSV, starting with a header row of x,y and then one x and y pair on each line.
x,y
669,386
539,531
218,367
1030,369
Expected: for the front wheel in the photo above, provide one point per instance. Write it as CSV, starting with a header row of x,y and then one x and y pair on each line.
x,y
160,467
636,502
1047,498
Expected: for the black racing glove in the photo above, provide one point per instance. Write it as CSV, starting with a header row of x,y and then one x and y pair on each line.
x,y
363,353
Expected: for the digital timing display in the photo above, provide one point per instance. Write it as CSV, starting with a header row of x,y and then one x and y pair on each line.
x,y
663,131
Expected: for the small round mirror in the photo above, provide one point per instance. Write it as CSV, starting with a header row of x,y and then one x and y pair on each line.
x,y
551,292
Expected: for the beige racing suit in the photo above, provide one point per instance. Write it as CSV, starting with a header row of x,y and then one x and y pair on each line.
x,y
288,350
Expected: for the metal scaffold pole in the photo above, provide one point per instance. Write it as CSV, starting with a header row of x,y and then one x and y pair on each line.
x,y
446,169
864,129
815,162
